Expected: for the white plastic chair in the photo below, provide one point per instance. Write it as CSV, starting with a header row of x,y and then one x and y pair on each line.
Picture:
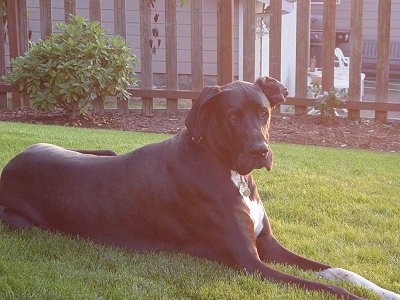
x,y
343,61
342,72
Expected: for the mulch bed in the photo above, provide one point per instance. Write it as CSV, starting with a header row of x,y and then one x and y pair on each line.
x,y
312,130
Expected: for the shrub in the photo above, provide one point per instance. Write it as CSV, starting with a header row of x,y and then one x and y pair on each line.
x,y
73,67
325,102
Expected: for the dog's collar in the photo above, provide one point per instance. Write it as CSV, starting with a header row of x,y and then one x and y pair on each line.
x,y
197,140
241,183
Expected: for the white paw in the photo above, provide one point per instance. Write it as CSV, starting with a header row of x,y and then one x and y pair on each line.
x,y
342,274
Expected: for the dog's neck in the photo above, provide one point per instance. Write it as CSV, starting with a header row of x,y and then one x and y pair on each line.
x,y
255,207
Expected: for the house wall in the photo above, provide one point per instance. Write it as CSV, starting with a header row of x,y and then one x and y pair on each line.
x,y
370,17
183,37
133,30
210,30
370,32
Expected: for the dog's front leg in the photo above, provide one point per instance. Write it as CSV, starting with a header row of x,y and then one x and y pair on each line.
x,y
242,253
269,249
254,265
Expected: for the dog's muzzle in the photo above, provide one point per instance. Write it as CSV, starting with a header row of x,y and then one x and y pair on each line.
x,y
254,158
268,161
262,154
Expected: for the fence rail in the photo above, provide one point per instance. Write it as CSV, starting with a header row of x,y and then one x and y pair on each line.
x,y
383,50
193,95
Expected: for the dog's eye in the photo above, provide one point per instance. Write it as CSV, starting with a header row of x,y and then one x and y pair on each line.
x,y
264,113
233,116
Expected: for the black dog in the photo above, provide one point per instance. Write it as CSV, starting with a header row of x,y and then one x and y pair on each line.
x,y
192,193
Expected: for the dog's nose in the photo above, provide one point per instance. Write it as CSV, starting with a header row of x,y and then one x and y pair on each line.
x,y
260,149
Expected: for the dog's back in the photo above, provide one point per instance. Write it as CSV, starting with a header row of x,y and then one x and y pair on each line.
x,y
39,176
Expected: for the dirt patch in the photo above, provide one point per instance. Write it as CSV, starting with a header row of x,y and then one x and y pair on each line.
x,y
312,130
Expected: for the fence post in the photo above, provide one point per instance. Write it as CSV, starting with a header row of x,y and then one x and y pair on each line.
x,y
249,37
328,47
302,52
69,9
3,96
95,15
24,40
17,36
196,8
275,43
146,71
45,18
120,29
171,55
356,55
95,10
225,41
382,62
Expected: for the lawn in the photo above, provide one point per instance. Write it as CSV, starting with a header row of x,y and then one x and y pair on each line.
x,y
337,206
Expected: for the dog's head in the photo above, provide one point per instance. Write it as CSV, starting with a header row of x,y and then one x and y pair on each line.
x,y
233,121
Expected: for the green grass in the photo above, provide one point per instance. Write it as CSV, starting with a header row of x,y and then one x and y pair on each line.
x,y
337,206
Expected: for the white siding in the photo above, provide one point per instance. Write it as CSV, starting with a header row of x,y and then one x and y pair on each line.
x,y
133,29
370,17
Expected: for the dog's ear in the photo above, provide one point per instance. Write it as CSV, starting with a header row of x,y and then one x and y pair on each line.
x,y
195,117
275,91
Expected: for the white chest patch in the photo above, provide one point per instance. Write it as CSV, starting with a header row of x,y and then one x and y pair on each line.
x,y
342,274
256,208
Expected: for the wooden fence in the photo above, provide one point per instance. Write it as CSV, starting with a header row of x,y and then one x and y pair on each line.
x,y
18,41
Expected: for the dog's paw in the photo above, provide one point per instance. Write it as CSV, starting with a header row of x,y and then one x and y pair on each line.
x,y
345,275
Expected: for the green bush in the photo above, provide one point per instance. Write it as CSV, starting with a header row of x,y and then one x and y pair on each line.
x,y
73,67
